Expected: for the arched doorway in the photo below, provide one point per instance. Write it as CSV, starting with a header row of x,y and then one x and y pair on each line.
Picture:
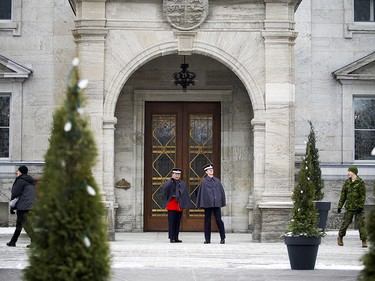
x,y
153,84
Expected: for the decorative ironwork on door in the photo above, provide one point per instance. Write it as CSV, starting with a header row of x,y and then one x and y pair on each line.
x,y
200,152
163,157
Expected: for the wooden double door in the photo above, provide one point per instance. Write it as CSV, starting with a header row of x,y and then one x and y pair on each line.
x,y
184,135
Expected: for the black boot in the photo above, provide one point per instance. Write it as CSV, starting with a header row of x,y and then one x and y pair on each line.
x,y
11,244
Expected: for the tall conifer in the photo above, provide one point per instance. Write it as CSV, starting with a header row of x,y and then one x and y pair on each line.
x,y
70,241
316,172
304,213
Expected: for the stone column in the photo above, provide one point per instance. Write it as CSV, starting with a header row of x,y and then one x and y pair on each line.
x,y
279,39
259,156
109,157
90,35
108,173
280,100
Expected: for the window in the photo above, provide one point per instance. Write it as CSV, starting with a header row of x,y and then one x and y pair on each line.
x,y
4,126
364,127
6,9
11,16
364,10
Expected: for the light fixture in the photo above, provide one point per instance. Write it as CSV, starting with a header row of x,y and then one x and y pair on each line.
x,y
184,77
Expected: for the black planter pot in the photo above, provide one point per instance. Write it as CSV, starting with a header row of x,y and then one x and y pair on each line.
x,y
323,208
302,251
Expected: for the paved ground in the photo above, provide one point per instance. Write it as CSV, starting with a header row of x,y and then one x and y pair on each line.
x,y
150,256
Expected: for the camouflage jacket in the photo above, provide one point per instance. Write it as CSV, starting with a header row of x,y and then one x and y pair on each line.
x,y
353,194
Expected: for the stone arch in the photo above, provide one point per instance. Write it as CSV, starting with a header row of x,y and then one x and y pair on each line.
x,y
166,48
253,89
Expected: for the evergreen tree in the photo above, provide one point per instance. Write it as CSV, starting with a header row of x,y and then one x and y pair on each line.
x,y
316,173
368,272
304,213
70,241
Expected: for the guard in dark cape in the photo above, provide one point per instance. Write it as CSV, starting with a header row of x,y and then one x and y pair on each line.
x,y
177,198
211,197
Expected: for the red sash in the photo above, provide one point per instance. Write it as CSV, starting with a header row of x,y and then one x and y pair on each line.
x,y
173,205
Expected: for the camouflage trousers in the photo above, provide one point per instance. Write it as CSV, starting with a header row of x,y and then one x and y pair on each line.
x,y
359,220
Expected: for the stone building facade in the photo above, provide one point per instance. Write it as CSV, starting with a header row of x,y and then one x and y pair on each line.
x,y
264,68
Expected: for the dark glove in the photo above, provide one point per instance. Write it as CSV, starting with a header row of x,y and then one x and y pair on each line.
x,y
339,210
359,210
12,211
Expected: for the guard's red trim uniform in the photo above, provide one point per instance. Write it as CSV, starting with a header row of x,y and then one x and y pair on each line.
x,y
173,205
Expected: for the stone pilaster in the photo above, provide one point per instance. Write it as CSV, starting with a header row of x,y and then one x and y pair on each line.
x,y
279,37
259,166
90,35
280,100
109,157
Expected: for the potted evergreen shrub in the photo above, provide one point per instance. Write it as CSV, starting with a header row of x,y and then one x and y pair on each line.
x,y
303,236
316,177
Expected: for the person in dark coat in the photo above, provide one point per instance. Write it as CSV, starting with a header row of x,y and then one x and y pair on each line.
x,y
177,198
211,197
24,189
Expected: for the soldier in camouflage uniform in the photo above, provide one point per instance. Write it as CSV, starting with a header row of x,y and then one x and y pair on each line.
x,y
353,195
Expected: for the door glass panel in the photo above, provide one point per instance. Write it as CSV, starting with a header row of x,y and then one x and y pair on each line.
x,y
163,157
200,152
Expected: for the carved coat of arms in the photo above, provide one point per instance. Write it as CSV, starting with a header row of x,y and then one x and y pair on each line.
x,y
185,14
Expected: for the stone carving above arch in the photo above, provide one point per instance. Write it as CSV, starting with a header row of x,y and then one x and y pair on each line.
x,y
185,14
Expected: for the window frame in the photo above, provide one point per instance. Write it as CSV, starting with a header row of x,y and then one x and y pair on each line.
x,y
15,90
14,24
355,82
9,95
361,96
13,77
350,26
352,89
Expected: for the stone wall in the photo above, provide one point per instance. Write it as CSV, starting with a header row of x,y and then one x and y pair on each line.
x,y
274,223
323,47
